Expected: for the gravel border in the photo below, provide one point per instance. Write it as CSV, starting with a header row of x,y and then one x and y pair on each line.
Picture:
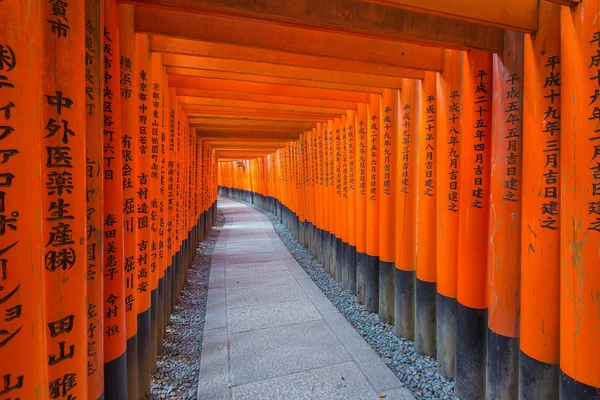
x,y
417,372
178,368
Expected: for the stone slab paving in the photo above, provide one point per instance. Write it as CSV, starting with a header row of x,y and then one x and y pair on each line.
x,y
271,334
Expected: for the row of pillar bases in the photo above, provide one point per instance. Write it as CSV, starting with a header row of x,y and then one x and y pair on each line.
x,y
479,360
128,376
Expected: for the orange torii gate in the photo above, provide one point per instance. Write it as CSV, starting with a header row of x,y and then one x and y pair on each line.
x,y
440,160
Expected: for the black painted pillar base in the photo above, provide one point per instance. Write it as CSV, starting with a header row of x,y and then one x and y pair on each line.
x,y
361,270
332,254
153,330
339,259
502,372
345,265
319,245
471,345
144,350
161,314
571,389
447,320
115,378
372,284
168,294
405,304
537,379
352,269
386,291
425,328
132,367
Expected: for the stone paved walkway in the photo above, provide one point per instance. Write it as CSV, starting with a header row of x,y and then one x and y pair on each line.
x,y
270,333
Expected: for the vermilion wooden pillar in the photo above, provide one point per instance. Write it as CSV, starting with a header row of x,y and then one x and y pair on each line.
x,y
129,134
94,20
154,186
373,197
540,226
580,202
339,226
115,329
426,301
388,136
362,125
406,204
473,224
351,140
504,258
143,237
23,330
449,133
63,210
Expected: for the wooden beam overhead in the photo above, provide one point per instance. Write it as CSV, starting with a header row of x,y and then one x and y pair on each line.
x,y
225,122
257,105
290,72
253,117
242,77
254,137
298,101
243,131
177,79
568,3
431,62
242,112
517,15
348,29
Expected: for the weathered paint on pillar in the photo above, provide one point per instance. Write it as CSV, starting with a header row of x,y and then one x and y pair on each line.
x,y
504,257
449,132
580,202
373,196
94,13
473,228
411,117
23,330
426,290
143,239
115,330
389,128
540,235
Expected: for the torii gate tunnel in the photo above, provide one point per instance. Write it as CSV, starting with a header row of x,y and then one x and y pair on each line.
x,y
440,158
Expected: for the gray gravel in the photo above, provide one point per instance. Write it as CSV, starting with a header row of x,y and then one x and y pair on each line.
x,y
178,368
417,372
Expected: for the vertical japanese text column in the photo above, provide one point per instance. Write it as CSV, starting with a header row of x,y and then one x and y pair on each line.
x,y
94,194
63,117
24,367
143,162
